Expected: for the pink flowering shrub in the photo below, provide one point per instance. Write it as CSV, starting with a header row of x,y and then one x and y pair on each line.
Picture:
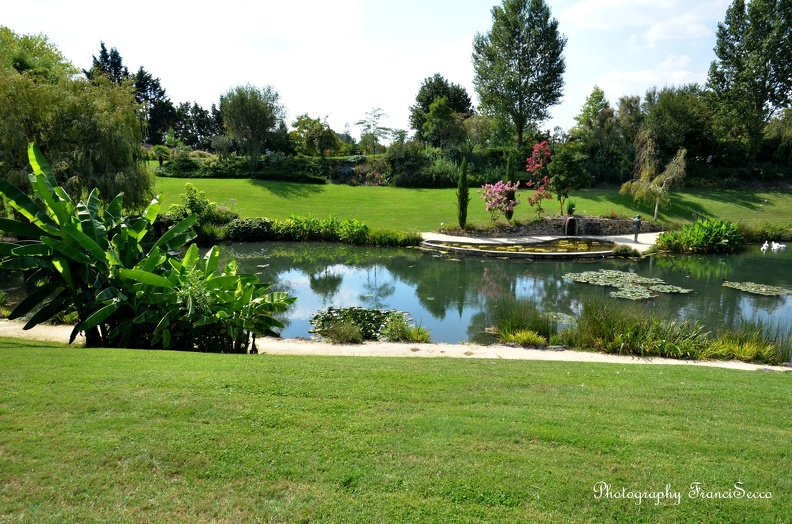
x,y
535,165
500,198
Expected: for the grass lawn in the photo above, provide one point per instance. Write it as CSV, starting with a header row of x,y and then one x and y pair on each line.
x,y
425,209
155,436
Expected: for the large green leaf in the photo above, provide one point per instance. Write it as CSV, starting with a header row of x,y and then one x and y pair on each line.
x,y
24,263
40,250
55,306
86,243
88,214
145,277
27,207
211,261
46,187
170,240
67,250
32,301
20,229
99,316
62,266
191,257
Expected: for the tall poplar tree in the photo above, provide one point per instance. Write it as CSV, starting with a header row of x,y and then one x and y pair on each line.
x,y
519,65
752,76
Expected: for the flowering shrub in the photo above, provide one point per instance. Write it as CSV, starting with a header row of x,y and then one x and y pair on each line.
x,y
534,165
500,198
542,193
539,158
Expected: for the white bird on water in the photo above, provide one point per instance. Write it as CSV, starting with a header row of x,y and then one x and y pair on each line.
x,y
764,247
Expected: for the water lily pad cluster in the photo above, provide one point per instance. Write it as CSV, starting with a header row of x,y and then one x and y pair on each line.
x,y
629,285
758,289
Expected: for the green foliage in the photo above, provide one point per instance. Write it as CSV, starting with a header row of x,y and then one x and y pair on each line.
x,y
370,322
251,230
702,236
431,89
567,171
90,130
90,259
252,116
212,219
519,63
510,315
603,326
623,250
343,333
752,75
524,338
398,329
194,202
463,195
329,229
625,330
651,184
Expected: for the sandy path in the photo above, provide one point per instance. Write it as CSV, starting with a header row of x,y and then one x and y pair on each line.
x,y
275,346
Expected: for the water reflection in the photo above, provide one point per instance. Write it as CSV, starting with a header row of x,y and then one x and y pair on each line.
x,y
451,296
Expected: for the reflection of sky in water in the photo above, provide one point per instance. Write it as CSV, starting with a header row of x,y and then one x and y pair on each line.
x,y
451,298
372,287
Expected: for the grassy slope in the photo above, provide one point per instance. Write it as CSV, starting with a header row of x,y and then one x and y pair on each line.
x,y
425,209
154,436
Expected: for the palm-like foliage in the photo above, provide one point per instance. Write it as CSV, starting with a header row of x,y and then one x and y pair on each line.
x,y
83,257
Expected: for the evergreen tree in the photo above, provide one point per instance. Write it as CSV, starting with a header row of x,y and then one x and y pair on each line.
x,y
463,195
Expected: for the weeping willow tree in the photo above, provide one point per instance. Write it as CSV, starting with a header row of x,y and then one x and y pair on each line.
x,y
649,183
90,131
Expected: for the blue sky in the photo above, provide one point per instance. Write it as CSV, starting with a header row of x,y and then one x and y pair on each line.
x,y
342,58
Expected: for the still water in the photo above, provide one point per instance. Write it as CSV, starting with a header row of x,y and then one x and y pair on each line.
x,y
452,296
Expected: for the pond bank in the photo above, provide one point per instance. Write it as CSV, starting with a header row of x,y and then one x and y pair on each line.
x,y
276,346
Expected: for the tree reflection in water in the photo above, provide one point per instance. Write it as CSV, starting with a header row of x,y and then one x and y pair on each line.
x,y
450,296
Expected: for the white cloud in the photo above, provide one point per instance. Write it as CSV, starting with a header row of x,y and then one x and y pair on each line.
x,y
674,70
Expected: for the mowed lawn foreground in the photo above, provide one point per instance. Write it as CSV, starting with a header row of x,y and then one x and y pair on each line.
x,y
155,436
404,209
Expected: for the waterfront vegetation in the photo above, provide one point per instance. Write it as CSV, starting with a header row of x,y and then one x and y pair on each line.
x,y
127,436
406,209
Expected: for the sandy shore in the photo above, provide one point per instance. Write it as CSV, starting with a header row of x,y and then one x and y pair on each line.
x,y
276,346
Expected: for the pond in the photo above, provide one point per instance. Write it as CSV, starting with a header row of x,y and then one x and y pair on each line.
x,y
452,295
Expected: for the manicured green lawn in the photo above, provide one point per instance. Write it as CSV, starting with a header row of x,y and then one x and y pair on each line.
x,y
154,436
425,209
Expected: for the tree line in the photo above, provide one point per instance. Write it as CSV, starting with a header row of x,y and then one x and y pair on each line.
x,y
91,122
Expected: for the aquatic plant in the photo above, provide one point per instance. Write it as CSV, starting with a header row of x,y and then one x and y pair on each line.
x,y
629,285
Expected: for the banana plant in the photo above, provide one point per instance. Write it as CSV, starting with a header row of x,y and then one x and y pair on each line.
x,y
88,259
196,306
72,252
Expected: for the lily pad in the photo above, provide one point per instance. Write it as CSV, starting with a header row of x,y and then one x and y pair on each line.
x,y
758,289
630,285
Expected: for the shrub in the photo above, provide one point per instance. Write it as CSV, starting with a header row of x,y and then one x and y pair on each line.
x,y
353,232
90,259
512,315
384,237
212,219
343,333
371,322
702,236
398,329
525,338
250,229
623,250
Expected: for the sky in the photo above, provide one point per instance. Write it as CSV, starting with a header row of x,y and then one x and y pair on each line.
x,y
340,59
